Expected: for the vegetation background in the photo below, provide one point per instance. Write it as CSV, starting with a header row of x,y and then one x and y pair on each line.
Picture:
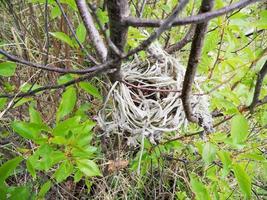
x,y
50,144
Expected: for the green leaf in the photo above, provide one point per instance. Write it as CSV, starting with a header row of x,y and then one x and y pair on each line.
x,y
21,193
90,89
27,130
78,176
102,15
45,157
71,4
41,1
58,140
35,116
7,69
81,33
199,189
2,103
84,152
44,189
262,22
63,37
82,110
88,184
166,8
88,167
64,127
64,171
22,101
8,167
211,41
263,118
243,179
31,169
64,79
134,35
226,160
55,12
3,190
26,87
67,103
239,129
252,156
209,153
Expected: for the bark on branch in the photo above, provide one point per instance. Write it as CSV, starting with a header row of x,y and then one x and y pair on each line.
x,y
258,86
193,61
91,29
117,11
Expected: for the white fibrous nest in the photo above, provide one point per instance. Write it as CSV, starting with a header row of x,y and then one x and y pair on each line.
x,y
148,102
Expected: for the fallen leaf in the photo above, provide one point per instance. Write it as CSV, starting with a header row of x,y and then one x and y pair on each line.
x,y
115,165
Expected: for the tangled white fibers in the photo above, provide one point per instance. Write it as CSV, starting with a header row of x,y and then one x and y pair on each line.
x,y
147,103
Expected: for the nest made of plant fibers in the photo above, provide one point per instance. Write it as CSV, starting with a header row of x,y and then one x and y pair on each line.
x,y
147,102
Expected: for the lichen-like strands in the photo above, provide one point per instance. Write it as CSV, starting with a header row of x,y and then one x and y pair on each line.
x,y
148,101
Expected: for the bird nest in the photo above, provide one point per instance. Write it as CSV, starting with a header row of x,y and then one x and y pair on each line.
x,y
147,102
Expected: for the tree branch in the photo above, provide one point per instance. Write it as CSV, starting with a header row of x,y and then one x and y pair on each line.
x,y
51,87
185,40
46,27
103,31
258,86
91,29
203,17
167,24
117,10
51,68
91,58
193,61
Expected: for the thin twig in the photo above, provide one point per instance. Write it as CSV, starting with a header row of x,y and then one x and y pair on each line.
x,y
227,118
51,87
246,45
52,68
184,41
166,25
69,24
218,86
137,22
